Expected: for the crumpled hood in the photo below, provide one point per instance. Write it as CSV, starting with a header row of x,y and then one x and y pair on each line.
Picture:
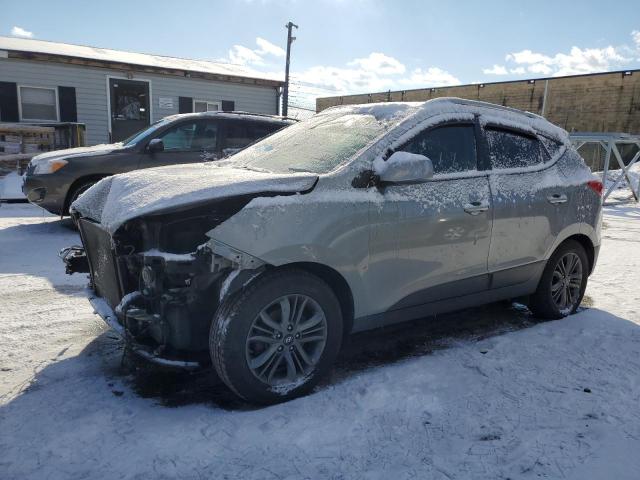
x,y
102,149
115,200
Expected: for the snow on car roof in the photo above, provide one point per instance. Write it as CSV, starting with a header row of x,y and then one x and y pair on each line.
x,y
415,112
237,115
133,58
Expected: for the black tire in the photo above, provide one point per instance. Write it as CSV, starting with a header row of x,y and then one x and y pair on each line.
x,y
229,342
542,302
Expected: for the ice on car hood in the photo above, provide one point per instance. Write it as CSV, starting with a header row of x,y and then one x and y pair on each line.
x,y
114,200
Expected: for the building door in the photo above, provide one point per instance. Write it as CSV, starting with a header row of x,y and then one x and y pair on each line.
x,y
129,107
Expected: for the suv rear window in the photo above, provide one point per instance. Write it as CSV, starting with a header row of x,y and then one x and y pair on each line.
x,y
510,149
451,148
242,133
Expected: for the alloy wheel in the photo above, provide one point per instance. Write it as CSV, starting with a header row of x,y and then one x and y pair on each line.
x,y
566,282
286,340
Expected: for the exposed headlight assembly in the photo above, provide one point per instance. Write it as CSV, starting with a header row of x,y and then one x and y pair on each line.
x,y
49,166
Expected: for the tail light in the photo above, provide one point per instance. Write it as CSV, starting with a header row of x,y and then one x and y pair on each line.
x,y
596,185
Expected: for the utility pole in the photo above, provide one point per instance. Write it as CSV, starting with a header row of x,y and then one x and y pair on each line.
x,y
285,92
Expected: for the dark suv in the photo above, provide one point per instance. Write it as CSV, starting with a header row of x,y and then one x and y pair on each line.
x,y
55,179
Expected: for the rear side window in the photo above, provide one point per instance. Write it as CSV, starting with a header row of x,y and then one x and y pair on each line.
x,y
451,148
509,149
240,134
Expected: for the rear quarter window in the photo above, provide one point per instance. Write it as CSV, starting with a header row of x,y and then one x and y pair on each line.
x,y
511,149
551,146
243,133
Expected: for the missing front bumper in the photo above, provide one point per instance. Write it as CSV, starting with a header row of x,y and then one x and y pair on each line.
x,y
104,310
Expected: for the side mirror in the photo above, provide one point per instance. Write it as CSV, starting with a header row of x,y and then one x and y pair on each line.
x,y
156,145
403,167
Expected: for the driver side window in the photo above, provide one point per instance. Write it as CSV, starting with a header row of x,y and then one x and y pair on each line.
x,y
451,148
191,137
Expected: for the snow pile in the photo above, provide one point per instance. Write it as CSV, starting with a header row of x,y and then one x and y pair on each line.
x,y
614,176
11,187
114,200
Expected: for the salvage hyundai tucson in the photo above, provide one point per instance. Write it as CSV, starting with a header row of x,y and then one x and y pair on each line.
x,y
356,218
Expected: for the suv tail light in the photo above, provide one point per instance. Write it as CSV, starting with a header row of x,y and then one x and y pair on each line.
x,y
596,185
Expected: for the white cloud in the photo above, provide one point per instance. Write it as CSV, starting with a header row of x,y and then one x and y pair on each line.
x,y
372,73
526,56
495,70
430,77
576,61
21,32
379,63
540,68
242,55
268,48
337,80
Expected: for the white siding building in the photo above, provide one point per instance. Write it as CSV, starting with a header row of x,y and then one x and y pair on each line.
x,y
116,93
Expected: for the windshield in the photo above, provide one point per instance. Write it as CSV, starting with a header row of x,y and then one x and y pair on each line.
x,y
136,137
316,145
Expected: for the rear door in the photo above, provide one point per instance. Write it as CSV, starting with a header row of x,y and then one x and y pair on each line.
x,y
530,200
430,241
186,142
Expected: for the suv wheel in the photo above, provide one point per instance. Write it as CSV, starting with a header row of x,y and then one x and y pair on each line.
x,y
276,339
79,190
563,282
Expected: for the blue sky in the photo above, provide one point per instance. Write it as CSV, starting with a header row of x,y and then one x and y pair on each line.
x,y
355,46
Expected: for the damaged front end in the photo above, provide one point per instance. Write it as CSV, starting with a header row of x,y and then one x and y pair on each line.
x,y
159,279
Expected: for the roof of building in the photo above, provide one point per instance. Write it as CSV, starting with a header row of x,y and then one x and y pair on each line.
x,y
24,45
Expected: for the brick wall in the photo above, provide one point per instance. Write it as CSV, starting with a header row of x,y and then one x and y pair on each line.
x,y
607,102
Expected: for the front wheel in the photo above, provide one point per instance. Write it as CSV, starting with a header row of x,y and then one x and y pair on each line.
x,y
278,337
563,282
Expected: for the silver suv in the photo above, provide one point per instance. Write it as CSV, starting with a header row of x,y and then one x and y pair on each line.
x,y
358,217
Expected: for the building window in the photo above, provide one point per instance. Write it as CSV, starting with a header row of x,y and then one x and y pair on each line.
x,y
206,106
38,104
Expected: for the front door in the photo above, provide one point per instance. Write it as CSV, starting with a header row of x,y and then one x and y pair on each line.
x,y
129,100
188,141
431,240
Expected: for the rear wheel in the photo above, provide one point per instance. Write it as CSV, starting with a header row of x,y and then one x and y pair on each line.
x,y
275,340
563,282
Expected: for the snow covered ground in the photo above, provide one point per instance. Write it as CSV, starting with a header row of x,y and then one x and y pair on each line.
x,y
11,187
486,393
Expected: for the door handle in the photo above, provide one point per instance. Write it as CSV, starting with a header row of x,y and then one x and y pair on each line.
x,y
557,198
476,208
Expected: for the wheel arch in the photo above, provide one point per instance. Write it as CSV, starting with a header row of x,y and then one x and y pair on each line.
x,y
587,244
338,285
76,183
